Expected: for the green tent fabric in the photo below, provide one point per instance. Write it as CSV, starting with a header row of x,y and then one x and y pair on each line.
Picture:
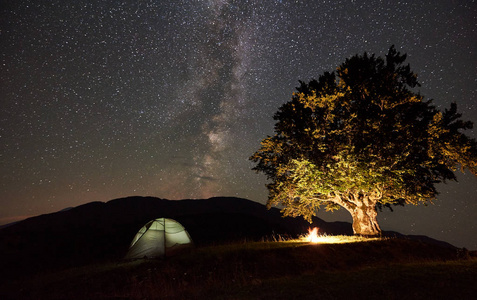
x,y
158,238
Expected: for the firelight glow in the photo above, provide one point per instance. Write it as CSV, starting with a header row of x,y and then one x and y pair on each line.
x,y
313,235
314,238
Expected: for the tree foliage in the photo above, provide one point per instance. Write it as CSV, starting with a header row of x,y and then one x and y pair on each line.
x,y
361,137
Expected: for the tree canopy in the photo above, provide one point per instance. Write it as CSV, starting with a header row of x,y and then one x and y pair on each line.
x,y
361,138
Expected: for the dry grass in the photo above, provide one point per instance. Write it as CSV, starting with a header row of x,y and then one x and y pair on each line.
x,y
378,269
337,239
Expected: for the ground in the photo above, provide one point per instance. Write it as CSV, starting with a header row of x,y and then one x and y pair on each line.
x,y
379,269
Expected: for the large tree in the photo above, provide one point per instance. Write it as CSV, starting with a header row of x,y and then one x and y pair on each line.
x,y
362,138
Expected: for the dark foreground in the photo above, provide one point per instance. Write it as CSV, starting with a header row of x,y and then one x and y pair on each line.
x,y
387,269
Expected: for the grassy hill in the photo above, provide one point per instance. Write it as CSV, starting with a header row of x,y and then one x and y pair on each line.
x,y
98,232
77,254
385,269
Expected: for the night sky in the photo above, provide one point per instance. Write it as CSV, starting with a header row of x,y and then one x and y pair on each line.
x,y
107,99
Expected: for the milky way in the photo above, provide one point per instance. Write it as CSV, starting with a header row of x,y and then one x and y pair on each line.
x,y
106,99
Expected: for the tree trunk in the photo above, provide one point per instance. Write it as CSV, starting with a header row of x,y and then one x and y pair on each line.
x,y
365,220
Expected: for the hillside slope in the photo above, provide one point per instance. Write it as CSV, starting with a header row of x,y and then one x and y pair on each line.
x,y
99,231
380,269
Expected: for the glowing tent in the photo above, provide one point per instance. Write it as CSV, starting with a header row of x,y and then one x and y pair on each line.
x,y
158,238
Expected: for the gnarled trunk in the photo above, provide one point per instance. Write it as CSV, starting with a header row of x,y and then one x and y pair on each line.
x,y
365,220
363,210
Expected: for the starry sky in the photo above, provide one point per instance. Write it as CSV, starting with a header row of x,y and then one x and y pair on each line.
x,y
107,99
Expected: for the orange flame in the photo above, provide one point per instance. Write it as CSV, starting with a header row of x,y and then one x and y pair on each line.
x,y
313,235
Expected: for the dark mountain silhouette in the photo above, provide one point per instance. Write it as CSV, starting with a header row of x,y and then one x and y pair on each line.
x,y
98,231
8,224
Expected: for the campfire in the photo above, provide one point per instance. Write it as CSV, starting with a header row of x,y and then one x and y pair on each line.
x,y
312,236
